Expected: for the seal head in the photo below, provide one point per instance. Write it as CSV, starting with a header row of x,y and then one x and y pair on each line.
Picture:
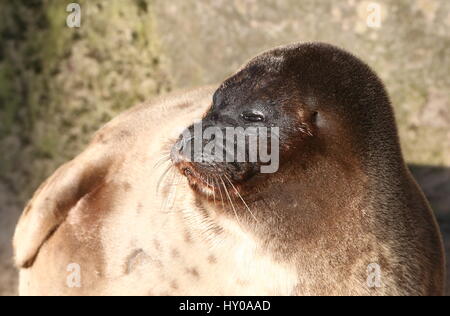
x,y
322,100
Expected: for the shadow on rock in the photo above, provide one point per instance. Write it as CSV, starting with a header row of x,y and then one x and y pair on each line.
x,y
435,182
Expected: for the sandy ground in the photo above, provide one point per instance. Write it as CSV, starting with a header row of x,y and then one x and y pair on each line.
x,y
434,181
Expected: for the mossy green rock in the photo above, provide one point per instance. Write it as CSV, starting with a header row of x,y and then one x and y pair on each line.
x,y
59,84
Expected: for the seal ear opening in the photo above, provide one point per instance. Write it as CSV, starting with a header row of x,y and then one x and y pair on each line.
x,y
51,204
314,117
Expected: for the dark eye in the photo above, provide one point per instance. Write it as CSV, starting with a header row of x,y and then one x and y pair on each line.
x,y
253,116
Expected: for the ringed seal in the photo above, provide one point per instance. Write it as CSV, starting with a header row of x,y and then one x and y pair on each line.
x,y
135,216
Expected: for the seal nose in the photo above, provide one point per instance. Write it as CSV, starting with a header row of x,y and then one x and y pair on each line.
x,y
178,153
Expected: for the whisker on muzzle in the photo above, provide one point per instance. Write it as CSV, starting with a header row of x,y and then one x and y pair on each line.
x,y
163,176
161,161
230,200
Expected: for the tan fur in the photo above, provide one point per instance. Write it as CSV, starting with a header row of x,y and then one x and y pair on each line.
x,y
103,211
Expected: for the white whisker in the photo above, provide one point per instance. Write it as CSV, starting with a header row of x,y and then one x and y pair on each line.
x,y
231,202
164,159
163,175
220,191
242,199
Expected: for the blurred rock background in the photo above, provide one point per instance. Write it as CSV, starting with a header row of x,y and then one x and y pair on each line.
x,y
58,85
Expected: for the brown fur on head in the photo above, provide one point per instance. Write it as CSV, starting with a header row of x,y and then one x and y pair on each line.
x,y
325,102
341,167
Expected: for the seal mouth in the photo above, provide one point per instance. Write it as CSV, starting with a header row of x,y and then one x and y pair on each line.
x,y
198,181
209,182
208,174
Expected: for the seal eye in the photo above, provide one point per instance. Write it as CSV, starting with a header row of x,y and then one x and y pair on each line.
x,y
253,116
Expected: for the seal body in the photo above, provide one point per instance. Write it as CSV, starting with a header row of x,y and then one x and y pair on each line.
x,y
342,215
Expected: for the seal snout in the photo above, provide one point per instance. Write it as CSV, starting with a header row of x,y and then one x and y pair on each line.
x,y
205,175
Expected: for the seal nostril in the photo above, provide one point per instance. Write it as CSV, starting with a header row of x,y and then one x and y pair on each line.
x,y
214,117
178,147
